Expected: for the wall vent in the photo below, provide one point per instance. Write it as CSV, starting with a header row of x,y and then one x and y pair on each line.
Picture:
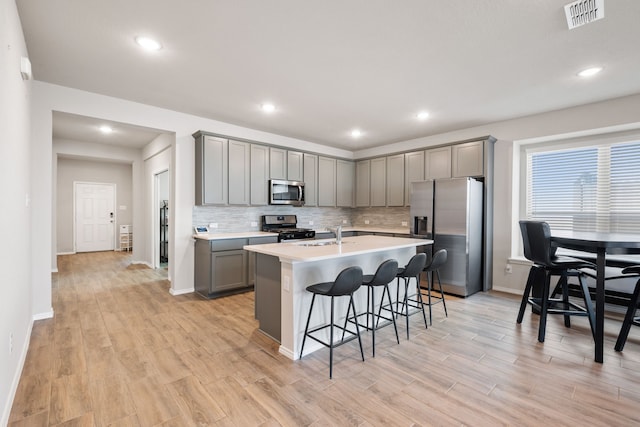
x,y
583,12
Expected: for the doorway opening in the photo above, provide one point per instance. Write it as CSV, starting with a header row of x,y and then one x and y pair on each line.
x,y
161,202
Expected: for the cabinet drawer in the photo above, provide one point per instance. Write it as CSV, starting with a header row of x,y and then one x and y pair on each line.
x,y
227,244
263,240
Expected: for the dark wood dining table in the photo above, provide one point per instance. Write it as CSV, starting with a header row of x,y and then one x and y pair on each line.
x,y
601,244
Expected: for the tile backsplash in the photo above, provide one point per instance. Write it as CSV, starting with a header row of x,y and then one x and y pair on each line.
x,y
240,218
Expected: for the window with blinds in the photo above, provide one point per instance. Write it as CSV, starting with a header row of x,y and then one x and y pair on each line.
x,y
593,188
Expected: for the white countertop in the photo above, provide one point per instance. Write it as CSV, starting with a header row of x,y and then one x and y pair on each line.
x,y
357,245
238,235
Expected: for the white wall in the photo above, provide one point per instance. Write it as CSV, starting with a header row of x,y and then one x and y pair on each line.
x,y
16,225
81,170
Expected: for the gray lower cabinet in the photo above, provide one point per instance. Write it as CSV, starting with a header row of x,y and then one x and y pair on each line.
x,y
268,295
251,256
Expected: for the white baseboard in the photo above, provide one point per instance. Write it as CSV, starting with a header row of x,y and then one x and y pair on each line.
x,y
508,290
45,315
143,263
175,292
66,253
6,412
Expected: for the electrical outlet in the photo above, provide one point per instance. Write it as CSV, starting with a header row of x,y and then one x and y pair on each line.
x,y
11,343
213,225
344,221
254,224
285,283
508,269
310,222
366,221
404,223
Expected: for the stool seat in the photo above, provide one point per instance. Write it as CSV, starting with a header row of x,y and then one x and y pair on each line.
x,y
347,282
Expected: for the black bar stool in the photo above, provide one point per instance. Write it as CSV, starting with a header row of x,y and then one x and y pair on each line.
x,y
438,260
347,282
411,271
384,275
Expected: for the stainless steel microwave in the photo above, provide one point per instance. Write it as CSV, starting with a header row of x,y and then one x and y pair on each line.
x,y
283,192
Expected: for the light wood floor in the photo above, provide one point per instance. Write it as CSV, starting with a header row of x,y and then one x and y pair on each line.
x,y
122,351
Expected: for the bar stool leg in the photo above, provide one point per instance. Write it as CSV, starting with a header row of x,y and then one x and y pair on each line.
x,y
420,301
357,327
444,303
373,326
406,302
331,342
628,318
306,329
543,307
429,280
393,318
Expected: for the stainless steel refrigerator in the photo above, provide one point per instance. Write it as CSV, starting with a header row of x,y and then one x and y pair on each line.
x,y
450,212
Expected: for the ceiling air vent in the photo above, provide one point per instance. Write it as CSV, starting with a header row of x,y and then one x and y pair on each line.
x,y
583,12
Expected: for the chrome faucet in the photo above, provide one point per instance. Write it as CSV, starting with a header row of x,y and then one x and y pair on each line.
x,y
338,232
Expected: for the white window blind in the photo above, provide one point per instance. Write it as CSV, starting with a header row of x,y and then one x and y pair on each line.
x,y
592,188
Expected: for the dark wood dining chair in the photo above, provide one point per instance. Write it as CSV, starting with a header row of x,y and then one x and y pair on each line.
x,y
630,317
536,237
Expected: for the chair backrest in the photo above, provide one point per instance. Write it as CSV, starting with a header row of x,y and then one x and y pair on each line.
x,y
347,282
439,258
415,265
385,273
536,238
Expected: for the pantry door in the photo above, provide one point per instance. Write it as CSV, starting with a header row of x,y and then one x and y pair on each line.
x,y
94,216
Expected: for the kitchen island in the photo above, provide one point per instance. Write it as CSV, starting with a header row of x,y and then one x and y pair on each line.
x,y
284,270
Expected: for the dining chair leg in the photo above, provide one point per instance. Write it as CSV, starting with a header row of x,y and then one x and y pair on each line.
x,y
543,307
628,318
565,299
588,304
525,295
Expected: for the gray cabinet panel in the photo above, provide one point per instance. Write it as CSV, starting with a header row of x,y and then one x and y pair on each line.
x,y
310,179
239,178
220,267
413,171
211,170
251,256
379,181
345,177
395,180
326,181
467,159
259,174
228,270
277,163
294,166
363,183
437,163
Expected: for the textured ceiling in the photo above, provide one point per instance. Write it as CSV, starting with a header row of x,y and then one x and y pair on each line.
x,y
331,66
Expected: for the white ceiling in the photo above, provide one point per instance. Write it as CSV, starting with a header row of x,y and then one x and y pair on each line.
x,y
333,65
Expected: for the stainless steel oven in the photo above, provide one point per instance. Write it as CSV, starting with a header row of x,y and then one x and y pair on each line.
x,y
283,192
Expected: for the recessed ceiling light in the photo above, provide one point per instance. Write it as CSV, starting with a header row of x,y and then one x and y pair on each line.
x,y
148,43
422,115
356,133
106,129
590,72
268,107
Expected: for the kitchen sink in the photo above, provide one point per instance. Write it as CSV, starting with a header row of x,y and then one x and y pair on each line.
x,y
320,243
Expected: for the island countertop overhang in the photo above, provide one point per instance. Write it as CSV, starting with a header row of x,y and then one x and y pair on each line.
x,y
307,251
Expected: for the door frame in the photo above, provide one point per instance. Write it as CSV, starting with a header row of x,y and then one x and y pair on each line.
x,y
115,212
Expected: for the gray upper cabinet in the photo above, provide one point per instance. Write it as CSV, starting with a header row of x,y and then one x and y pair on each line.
x,y
211,170
467,159
363,183
310,179
326,181
395,180
345,178
378,181
259,174
295,166
413,171
239,168
437,163
277,163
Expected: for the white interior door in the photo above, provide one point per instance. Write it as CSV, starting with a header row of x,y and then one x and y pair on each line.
x,y
94,217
